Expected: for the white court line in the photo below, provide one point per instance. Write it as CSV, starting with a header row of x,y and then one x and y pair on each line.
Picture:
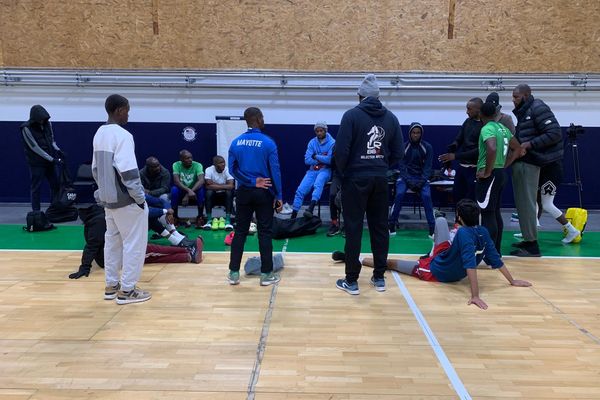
x,y
262,343
459,387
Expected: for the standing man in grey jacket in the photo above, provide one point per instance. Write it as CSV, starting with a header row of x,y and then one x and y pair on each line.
x,y
541,141
121,193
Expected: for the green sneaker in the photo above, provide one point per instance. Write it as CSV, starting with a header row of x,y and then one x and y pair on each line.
x,y
215,224
269,279
233,278
221,223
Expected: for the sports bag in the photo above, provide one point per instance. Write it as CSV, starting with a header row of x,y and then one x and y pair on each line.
x,y
290,228
578,218
62,208
59,214
37,221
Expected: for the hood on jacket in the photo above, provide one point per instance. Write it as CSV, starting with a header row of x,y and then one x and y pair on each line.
x,y
414,125
38,113
328,138
372,106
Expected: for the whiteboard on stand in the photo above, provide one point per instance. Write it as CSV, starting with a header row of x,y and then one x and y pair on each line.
x,y
228,128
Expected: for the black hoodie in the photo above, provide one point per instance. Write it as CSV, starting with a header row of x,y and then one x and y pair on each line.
x,y
369,140
418,159
38,138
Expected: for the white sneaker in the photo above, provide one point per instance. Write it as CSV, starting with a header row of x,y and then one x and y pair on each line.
x,y
518,235
252,229
571,235
286,209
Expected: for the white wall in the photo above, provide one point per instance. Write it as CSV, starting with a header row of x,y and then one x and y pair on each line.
x,y
280,106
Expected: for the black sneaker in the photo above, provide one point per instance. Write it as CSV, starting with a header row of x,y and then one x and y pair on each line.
x,y
338,256
528,249
334,229
520,245
185,242
525,253
196,250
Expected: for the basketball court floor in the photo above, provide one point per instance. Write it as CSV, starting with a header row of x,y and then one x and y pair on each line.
x,y
199,338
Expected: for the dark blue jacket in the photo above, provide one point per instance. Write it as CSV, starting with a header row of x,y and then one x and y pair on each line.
x,y
417,165
254,155
470,246
369,140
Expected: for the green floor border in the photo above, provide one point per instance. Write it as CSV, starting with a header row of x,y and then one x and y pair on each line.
x,y
70,237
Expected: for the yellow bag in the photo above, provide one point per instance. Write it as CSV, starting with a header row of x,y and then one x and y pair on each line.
x,y
578,218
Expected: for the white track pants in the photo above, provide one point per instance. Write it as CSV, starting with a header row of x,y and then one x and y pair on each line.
x,y
125,245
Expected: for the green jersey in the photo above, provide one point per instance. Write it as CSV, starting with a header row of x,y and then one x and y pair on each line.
x,y
188,176
502,135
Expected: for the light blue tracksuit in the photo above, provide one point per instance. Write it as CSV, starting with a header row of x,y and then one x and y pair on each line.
x,y
319,172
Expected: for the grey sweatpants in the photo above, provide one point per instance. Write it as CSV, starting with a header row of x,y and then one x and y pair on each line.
x,y
441,235
525,180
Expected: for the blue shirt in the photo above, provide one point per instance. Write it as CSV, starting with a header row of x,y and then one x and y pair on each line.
x,y
323,151
254,155
471,245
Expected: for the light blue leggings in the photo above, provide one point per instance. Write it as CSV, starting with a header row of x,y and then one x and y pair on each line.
x,y
314,180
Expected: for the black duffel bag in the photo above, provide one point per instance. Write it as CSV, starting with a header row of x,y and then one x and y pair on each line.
x,y
290,228
62,208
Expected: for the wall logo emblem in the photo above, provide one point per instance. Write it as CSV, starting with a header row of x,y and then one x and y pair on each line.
x,y
189,134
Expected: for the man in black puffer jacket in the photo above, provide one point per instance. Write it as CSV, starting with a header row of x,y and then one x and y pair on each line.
x,y
541,141
368,142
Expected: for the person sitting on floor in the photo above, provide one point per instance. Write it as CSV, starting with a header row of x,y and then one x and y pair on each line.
x,y
454,257
94,228
219,185
415,171
318,158
188,179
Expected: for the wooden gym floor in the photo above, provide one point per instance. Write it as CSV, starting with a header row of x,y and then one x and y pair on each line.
x,y
199,338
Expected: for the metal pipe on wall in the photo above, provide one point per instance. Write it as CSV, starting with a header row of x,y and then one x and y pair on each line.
x,y
293,80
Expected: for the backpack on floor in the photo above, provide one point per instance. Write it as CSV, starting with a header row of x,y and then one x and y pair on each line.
x,y
62,209
578,218
37,221
296,227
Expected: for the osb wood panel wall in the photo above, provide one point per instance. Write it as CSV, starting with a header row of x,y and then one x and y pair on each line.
x,y
317,35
